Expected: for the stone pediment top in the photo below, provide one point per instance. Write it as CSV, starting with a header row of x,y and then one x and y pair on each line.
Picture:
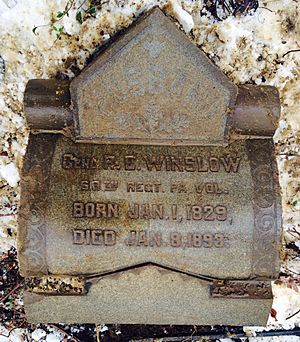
x,y
152,85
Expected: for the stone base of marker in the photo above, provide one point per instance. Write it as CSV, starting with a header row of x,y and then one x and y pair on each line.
x,y
148,295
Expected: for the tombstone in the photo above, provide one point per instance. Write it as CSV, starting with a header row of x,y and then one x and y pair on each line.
x,y
149,191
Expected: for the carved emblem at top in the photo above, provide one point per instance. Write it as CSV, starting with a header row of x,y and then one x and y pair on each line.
x,y
152,85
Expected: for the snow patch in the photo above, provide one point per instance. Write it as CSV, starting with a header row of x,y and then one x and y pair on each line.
x,y
185,19
10,173
38,334
52,337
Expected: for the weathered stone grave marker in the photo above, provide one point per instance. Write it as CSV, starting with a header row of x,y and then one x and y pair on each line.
x,y
149,189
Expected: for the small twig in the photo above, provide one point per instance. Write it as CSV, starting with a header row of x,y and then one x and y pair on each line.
x,y
11,330
56,19
79,7
2,300
227,7
6,336
294,230
97,333
190,337
291,233
288,270
37,27
296,50
64,332
4,256
294,314
266,8
289,154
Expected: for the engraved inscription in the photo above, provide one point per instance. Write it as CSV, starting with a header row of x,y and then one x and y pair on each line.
x,y
209,188
145,219
146,211
175,239
156,83
227,163
143,238
153,211
99,185
144,187
91,209
193,204
206,212
94,237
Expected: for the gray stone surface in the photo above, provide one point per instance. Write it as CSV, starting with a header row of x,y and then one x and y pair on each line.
x,y
153,86
229,255
148,295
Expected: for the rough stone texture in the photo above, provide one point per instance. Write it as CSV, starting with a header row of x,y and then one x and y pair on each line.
x,y
153,86
34,184
257,111
46,104
149,295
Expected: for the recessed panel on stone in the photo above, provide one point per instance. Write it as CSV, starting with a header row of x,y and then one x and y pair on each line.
x,y
150,189
187,208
